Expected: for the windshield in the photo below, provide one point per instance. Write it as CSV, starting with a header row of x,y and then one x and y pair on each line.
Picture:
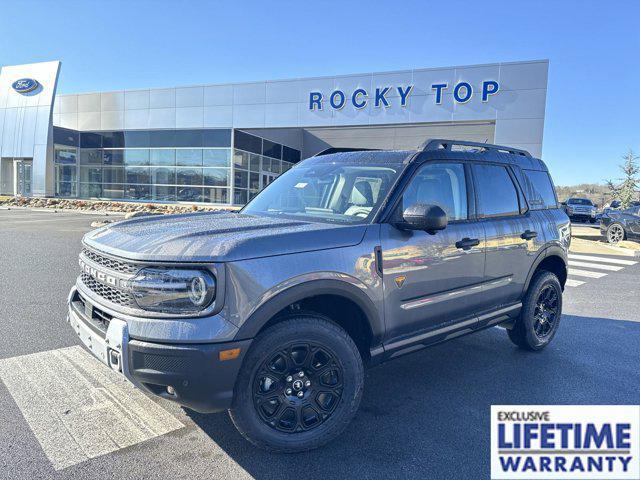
x,y
327,192
579,201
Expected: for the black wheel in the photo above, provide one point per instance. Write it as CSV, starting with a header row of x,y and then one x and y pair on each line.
x,y
540,316
615,233
299,387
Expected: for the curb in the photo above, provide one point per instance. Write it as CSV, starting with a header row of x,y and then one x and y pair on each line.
x,y
625,252
104,213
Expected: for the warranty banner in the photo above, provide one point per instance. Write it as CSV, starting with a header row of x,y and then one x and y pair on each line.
x,y
565,442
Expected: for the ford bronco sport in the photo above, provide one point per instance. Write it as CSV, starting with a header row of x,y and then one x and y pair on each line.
x,y
345,261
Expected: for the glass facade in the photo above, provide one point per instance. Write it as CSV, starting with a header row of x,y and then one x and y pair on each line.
x,y
256,163
167,165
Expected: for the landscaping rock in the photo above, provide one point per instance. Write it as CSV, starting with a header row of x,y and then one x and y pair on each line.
x,y
132,209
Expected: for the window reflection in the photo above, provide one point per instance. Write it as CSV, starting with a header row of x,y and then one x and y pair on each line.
x,y
136,157
190,194
216,176
166,165
219,157
189,157
163,175
137,175
188,176
113,157
164,156
138,192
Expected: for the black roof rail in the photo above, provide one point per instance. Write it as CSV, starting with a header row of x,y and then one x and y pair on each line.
x,y
444,144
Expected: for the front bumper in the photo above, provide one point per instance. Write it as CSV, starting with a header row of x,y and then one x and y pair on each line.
x,y
582,213
198,378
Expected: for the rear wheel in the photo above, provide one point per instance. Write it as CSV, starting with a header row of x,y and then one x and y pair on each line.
x,y
540,316
615,233
299,387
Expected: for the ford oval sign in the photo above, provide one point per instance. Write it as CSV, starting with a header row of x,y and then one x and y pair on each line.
x,y
25,85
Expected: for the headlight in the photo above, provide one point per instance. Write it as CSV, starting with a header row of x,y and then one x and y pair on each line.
x,y
173,290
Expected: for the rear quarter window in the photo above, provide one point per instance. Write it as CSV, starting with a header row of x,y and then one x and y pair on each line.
x,y
539,190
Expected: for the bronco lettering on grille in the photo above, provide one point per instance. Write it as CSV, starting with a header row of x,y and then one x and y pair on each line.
x,y
102,277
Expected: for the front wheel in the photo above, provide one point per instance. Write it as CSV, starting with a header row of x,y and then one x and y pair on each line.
x,y
299,387
540,316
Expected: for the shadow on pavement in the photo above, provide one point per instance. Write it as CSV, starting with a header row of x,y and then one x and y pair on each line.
x,y
428,413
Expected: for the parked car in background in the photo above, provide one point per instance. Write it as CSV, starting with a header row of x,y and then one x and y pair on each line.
x,y
580,209
618,225
613,206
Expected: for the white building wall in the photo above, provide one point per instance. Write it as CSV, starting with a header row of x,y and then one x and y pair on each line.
x,y
517,110
25,120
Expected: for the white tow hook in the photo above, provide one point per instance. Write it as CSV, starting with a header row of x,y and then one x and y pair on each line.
x,y
115,360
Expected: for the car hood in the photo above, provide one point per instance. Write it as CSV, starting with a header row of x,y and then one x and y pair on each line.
x,y
217,237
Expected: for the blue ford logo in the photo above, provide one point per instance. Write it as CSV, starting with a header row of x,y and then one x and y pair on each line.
x,y
25,85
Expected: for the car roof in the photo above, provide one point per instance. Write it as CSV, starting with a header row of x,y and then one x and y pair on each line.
x,y
363,157
434,150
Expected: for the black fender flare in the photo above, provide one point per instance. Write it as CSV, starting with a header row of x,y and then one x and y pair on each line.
x,y
550,251
313,288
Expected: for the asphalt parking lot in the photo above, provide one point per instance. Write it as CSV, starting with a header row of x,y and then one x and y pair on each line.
x,y
424,415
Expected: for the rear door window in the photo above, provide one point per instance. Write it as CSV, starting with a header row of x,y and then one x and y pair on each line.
x,y
539,190
497,194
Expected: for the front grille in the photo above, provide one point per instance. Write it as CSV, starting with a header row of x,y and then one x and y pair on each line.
x,y
110,294
111,264
99,318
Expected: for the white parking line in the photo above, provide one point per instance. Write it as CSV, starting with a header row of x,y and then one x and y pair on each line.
x,y
78,408
615,261
586,273
573,283
597,266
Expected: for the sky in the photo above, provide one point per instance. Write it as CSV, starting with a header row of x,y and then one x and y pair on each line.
x,y
593,99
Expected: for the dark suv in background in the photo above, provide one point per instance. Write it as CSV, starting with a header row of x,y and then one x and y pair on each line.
x,y
345,261
618,225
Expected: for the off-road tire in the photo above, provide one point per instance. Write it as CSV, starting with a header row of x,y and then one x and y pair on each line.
x,y
523,333
316,330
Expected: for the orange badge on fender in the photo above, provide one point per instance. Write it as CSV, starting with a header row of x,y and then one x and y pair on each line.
x,y
400,280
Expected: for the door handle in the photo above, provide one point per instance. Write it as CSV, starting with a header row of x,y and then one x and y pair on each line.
x,y
528,235
377,253
467,243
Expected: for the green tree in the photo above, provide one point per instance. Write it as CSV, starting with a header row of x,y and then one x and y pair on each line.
x,y
626,189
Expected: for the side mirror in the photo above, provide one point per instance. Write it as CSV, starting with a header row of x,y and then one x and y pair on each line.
x,y
420,216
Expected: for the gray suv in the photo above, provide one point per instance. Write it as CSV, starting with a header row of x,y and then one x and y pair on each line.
x,y
580,209
345,261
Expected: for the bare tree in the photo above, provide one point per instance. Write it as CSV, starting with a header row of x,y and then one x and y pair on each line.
x,y
626,189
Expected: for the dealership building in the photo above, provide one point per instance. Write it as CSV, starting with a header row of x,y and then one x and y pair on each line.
x,y
223,143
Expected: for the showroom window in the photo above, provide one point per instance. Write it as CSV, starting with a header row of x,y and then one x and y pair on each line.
x,y
66,171
256,163
167,165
